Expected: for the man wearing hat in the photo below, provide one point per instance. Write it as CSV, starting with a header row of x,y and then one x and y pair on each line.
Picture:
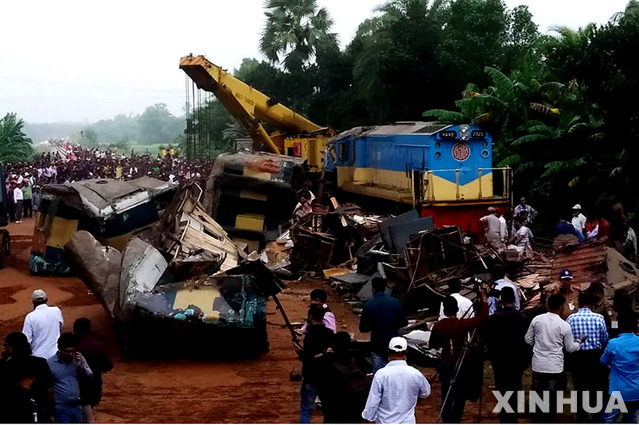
x,y
396,388
578,219
42,326
566,281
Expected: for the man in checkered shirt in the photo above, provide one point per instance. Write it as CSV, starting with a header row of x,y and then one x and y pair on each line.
x,y
585,368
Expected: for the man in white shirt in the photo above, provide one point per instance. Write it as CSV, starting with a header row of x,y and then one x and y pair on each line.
x,y
523,236
18,197
492,229
396,388
503,226
464,305
42,326
549,336
630,245
578,219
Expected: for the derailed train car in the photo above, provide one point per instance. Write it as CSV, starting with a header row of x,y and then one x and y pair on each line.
x,y
180,289
251,194
113,211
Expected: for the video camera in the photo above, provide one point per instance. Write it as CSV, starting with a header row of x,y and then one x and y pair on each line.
x,y
492,286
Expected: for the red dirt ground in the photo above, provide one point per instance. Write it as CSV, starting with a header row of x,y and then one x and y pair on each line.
x,y
154,391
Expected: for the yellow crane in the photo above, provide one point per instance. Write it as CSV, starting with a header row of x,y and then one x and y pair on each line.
x,y
295,135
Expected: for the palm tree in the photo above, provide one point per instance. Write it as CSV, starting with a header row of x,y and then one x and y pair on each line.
x,y
15,146
293,31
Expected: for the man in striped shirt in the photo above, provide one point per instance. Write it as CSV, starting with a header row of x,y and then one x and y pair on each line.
x,y
586,371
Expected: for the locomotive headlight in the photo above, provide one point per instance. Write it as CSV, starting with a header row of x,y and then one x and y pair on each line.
x,y
464,132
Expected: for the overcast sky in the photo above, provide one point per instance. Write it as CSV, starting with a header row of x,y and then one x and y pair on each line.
x,y
88,60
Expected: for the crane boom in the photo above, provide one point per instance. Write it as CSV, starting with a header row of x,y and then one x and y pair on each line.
x,y
249,106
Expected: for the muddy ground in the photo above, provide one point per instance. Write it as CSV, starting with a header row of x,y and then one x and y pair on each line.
x,y
154,391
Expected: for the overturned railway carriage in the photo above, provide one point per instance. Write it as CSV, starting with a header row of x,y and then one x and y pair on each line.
x,y
112,210
445,171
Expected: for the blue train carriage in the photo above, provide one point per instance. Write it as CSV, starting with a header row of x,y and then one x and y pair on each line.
x,y
445,171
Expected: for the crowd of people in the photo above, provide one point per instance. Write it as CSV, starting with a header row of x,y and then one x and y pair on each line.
x,y
24,180
511,228
600,356
49,376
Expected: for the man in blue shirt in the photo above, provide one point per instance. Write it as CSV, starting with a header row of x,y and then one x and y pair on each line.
x,y
622,355
68,367
382,316
396,389
566,228
585,369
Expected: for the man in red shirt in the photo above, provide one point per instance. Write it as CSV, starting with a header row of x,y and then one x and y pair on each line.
x,y
451,334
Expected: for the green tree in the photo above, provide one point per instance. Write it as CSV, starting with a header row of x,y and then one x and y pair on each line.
x,y
158,125
564,51
473,37
522,51
609,76
395,71
503,107
15,146
293,31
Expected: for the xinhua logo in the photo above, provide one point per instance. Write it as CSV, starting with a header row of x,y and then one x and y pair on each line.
x,y
544,403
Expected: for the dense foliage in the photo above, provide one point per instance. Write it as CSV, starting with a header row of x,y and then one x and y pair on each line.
x,y
15,146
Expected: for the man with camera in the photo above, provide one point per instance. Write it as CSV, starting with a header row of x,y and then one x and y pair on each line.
x,y
451,335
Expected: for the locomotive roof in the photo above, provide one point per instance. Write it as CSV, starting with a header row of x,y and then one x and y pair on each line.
x,y
402,127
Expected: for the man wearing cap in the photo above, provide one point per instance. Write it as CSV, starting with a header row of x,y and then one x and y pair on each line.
x,y
396,388
578,219
42,326
566,281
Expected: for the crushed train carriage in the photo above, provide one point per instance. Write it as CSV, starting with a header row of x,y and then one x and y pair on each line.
x,y
180,289
113,211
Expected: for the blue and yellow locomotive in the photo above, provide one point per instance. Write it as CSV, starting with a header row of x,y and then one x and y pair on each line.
x,y
446,171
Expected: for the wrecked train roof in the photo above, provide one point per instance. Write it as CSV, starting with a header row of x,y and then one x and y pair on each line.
x,y
104,197
402,127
